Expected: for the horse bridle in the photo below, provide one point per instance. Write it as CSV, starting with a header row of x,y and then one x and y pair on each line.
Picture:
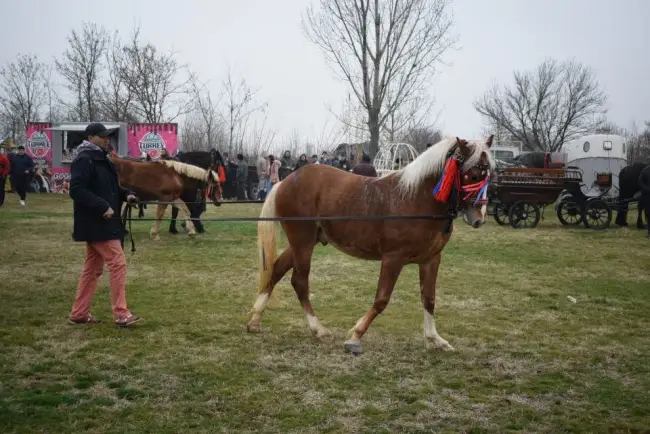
x,y
469,190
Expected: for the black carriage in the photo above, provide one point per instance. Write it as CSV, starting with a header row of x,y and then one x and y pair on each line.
x,y
593,209
519,195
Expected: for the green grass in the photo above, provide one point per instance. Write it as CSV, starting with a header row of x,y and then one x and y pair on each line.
x,y
527,359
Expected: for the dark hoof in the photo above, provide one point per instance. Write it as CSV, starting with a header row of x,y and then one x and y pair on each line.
x,y
353,348
640,226
173,231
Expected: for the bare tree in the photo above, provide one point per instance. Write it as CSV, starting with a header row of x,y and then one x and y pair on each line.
x,y
23,94
380,46
546,107
192,133
294,142
116,98
420,137
638,143
413,114
239,105
207,107
261,138
328,138
53,105
154,79
81,66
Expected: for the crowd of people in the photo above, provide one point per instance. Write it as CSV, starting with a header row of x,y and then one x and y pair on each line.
x,y
25,177
271,170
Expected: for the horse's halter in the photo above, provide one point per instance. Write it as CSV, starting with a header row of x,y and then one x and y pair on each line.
x,y
212,188
469,188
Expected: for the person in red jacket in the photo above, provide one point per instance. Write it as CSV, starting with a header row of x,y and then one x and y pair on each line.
x,y
5,167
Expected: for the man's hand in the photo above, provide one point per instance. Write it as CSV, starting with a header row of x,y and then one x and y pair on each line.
x,y
131,199
26,172
109,213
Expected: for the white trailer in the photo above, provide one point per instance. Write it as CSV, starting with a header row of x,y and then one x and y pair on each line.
x,y
597,153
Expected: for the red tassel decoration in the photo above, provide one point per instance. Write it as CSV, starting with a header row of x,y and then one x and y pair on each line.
x,y
448,180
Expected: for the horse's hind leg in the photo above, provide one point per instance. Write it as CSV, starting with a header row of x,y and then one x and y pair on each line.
x,y
172,222
300,283
155,230
188,218
390,270
281,266
639,218
428,277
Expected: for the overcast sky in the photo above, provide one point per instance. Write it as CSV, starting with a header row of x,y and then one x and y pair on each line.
x,y
263,41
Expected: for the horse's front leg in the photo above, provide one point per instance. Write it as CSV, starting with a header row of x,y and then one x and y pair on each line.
x,y
155,230
428,277
390,271
195,211
188,218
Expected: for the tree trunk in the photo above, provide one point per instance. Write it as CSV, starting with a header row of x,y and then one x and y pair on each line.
x,y
373,127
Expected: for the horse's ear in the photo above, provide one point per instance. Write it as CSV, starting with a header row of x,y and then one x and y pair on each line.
x,y
489,141
461,142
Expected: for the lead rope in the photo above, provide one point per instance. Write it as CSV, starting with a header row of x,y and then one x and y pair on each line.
x,y
126,216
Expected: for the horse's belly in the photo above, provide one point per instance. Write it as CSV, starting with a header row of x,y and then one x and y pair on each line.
x,y
358,247
371,245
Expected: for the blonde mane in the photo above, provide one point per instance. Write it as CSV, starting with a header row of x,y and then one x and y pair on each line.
x,y
190,170
431,162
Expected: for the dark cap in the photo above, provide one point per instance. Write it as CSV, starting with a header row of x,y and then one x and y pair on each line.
x,y
97,129
21,148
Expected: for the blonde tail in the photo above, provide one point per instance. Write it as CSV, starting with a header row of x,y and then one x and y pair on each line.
x,y
267,242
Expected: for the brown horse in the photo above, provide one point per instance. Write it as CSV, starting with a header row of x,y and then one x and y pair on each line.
x,y
165,181
320,190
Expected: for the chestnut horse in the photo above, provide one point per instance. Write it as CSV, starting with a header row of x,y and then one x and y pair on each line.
x,y
166,180
447,178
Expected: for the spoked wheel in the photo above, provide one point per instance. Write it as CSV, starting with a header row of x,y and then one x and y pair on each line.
x,y
523,215
596,214
569,213
500,214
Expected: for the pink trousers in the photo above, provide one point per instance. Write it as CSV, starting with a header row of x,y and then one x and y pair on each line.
x,y
98,253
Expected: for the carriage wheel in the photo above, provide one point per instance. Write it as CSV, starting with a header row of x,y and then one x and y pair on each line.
x,y
500,213
596,214
524,214
569,213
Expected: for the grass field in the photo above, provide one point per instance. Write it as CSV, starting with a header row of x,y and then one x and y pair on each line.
x,y
527,358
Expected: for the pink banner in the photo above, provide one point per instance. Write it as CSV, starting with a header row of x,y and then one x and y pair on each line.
x,y
39,143
60,181
152,139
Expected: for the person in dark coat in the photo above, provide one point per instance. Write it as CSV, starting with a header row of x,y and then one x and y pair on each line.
x,y
242,177
22,170
97,199
644,202
302,161
5,168
365,168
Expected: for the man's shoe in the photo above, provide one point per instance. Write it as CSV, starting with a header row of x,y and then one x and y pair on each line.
x,y
127,321
89,319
